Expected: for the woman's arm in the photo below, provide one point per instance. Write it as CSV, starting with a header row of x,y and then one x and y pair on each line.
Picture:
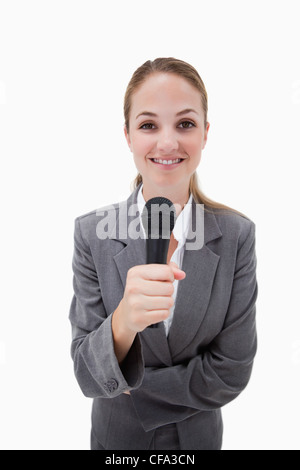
x,y
122,335
96,366
216,377
106,349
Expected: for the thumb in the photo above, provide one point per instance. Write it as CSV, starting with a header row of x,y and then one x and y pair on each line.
x,y
178,273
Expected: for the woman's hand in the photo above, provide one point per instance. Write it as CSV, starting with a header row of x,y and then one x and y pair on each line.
x,y
147,300
148,295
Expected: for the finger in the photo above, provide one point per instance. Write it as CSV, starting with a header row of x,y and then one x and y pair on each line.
x,y
155,272
157,303
156,316
157,288
179,274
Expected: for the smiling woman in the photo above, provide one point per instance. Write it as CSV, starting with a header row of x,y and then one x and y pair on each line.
x,y
166,131
166,72
163,388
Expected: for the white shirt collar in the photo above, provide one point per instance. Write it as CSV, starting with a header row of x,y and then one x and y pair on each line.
x,y
182,223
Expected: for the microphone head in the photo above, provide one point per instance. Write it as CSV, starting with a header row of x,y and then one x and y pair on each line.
x,y
158,218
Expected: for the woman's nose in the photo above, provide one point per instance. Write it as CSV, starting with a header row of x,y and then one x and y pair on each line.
x,y
167,142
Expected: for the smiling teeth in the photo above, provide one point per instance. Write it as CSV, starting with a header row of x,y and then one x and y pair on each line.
x,y
167,162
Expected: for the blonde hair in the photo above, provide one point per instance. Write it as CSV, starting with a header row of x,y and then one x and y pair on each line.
x,y
187,71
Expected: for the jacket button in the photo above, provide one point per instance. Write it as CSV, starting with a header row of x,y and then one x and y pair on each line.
x,y
111,385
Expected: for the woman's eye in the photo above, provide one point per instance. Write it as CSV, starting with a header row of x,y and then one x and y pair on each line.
x,y
147,126
187,124
184,124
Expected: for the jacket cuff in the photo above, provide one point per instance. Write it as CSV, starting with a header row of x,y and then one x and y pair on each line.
x,y
127,376
133,367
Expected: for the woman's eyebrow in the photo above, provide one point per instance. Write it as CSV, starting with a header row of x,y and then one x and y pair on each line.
x,y
184,111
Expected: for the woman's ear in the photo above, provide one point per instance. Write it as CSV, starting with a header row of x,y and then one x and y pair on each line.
x,y
127,137
205,135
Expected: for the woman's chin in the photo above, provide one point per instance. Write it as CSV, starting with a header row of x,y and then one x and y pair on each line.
x,y
163,179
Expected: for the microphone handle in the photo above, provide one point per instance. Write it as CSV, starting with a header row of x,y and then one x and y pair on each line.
x,y
157,253
157,250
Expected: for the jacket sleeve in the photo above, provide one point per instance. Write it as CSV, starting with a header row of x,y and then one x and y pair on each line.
x,y
96,367
216,377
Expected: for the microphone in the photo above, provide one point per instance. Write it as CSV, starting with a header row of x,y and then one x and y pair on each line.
x,y
158,219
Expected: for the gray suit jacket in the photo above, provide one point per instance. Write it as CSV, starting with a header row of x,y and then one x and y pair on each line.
x,y
205,362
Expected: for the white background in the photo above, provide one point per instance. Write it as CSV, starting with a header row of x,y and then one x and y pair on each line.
x,y
64,68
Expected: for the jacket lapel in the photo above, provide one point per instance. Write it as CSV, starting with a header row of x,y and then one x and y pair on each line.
x,y
194,291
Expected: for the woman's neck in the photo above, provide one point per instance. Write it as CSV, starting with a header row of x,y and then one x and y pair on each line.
x,y
179,198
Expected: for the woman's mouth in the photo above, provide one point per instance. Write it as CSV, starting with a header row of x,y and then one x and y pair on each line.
x,y
167,163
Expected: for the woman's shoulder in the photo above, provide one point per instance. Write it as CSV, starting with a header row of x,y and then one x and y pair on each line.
x,y
110,212
105,216
232,224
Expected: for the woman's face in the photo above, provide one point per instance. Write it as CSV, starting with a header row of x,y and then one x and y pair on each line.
x,y
166,131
